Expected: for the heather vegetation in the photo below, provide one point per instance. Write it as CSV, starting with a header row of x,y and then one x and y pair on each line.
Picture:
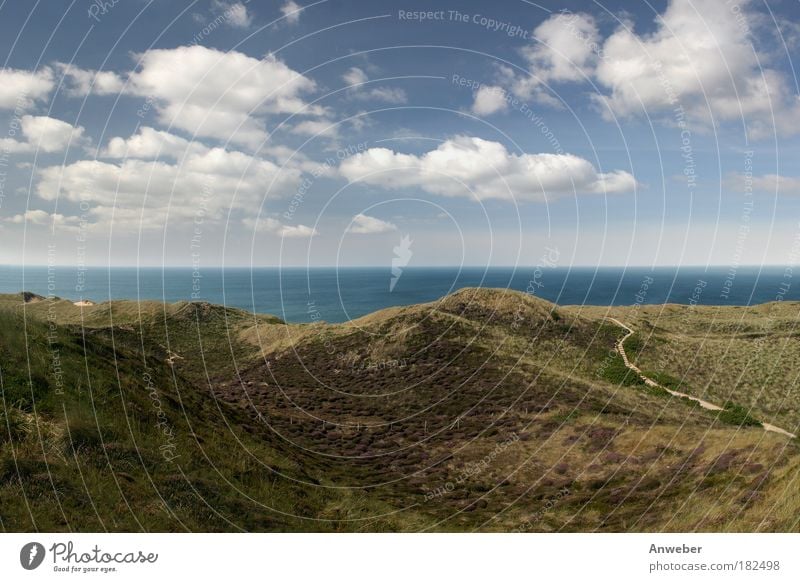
x,y
487,410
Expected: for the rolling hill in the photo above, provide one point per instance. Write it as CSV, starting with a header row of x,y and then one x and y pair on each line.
x,y
487,410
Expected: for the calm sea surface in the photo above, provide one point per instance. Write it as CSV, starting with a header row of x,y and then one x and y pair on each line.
x,y
334,295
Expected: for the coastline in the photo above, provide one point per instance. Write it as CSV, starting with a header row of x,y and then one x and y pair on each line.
x,y
304,295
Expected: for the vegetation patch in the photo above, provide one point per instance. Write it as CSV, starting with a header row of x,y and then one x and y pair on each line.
x,y
175,421
615,371
737,415
634,345
667,380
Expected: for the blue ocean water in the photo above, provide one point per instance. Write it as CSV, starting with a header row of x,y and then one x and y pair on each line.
x,y
338,294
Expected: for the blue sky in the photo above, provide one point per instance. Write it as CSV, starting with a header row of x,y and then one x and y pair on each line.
x,y
323,133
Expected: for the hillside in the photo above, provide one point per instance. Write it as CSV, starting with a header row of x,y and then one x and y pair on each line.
x,y
487,410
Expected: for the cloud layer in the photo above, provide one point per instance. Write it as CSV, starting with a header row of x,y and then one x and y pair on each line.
x,y
481,169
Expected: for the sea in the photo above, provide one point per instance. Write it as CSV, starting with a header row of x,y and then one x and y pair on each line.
x,y
304,295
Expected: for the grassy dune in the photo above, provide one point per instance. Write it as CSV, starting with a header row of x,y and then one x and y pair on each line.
x,y
487,410
749,355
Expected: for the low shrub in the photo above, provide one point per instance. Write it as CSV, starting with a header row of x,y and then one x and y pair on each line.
x,y
737,415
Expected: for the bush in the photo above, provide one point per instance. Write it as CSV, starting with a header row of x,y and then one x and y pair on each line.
x,y
667,380
634,345
615,372
736,415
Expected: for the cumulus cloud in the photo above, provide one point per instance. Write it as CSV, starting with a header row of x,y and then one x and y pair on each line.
x,y
81,82
143,193
489,99
566,48
356,79
46,135
149,143
700,55
292,11
481,169
363,224
234,13
203,91
274,226
19,87
222,95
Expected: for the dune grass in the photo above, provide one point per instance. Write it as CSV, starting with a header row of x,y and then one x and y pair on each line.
x,y
506,414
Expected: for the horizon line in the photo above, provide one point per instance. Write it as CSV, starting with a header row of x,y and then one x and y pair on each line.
x,y
552,267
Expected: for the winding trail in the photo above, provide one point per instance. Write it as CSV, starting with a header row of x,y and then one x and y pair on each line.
x,y
703,403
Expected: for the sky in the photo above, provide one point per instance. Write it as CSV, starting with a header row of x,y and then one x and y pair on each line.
x,y
358,132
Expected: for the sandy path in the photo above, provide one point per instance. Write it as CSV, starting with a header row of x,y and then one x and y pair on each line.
x,y
704,403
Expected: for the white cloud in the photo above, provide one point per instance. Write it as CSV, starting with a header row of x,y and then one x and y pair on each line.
x,y
315,127
481,169
46,135
355,76
489,100
566,48
234,13
292,158
363,224
149,143
527,87
765,184
43,218
274,226
19,87
222,95
203,91
695,49
299,231
32,217
292,11
391,95
700,55
81,82
136,190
